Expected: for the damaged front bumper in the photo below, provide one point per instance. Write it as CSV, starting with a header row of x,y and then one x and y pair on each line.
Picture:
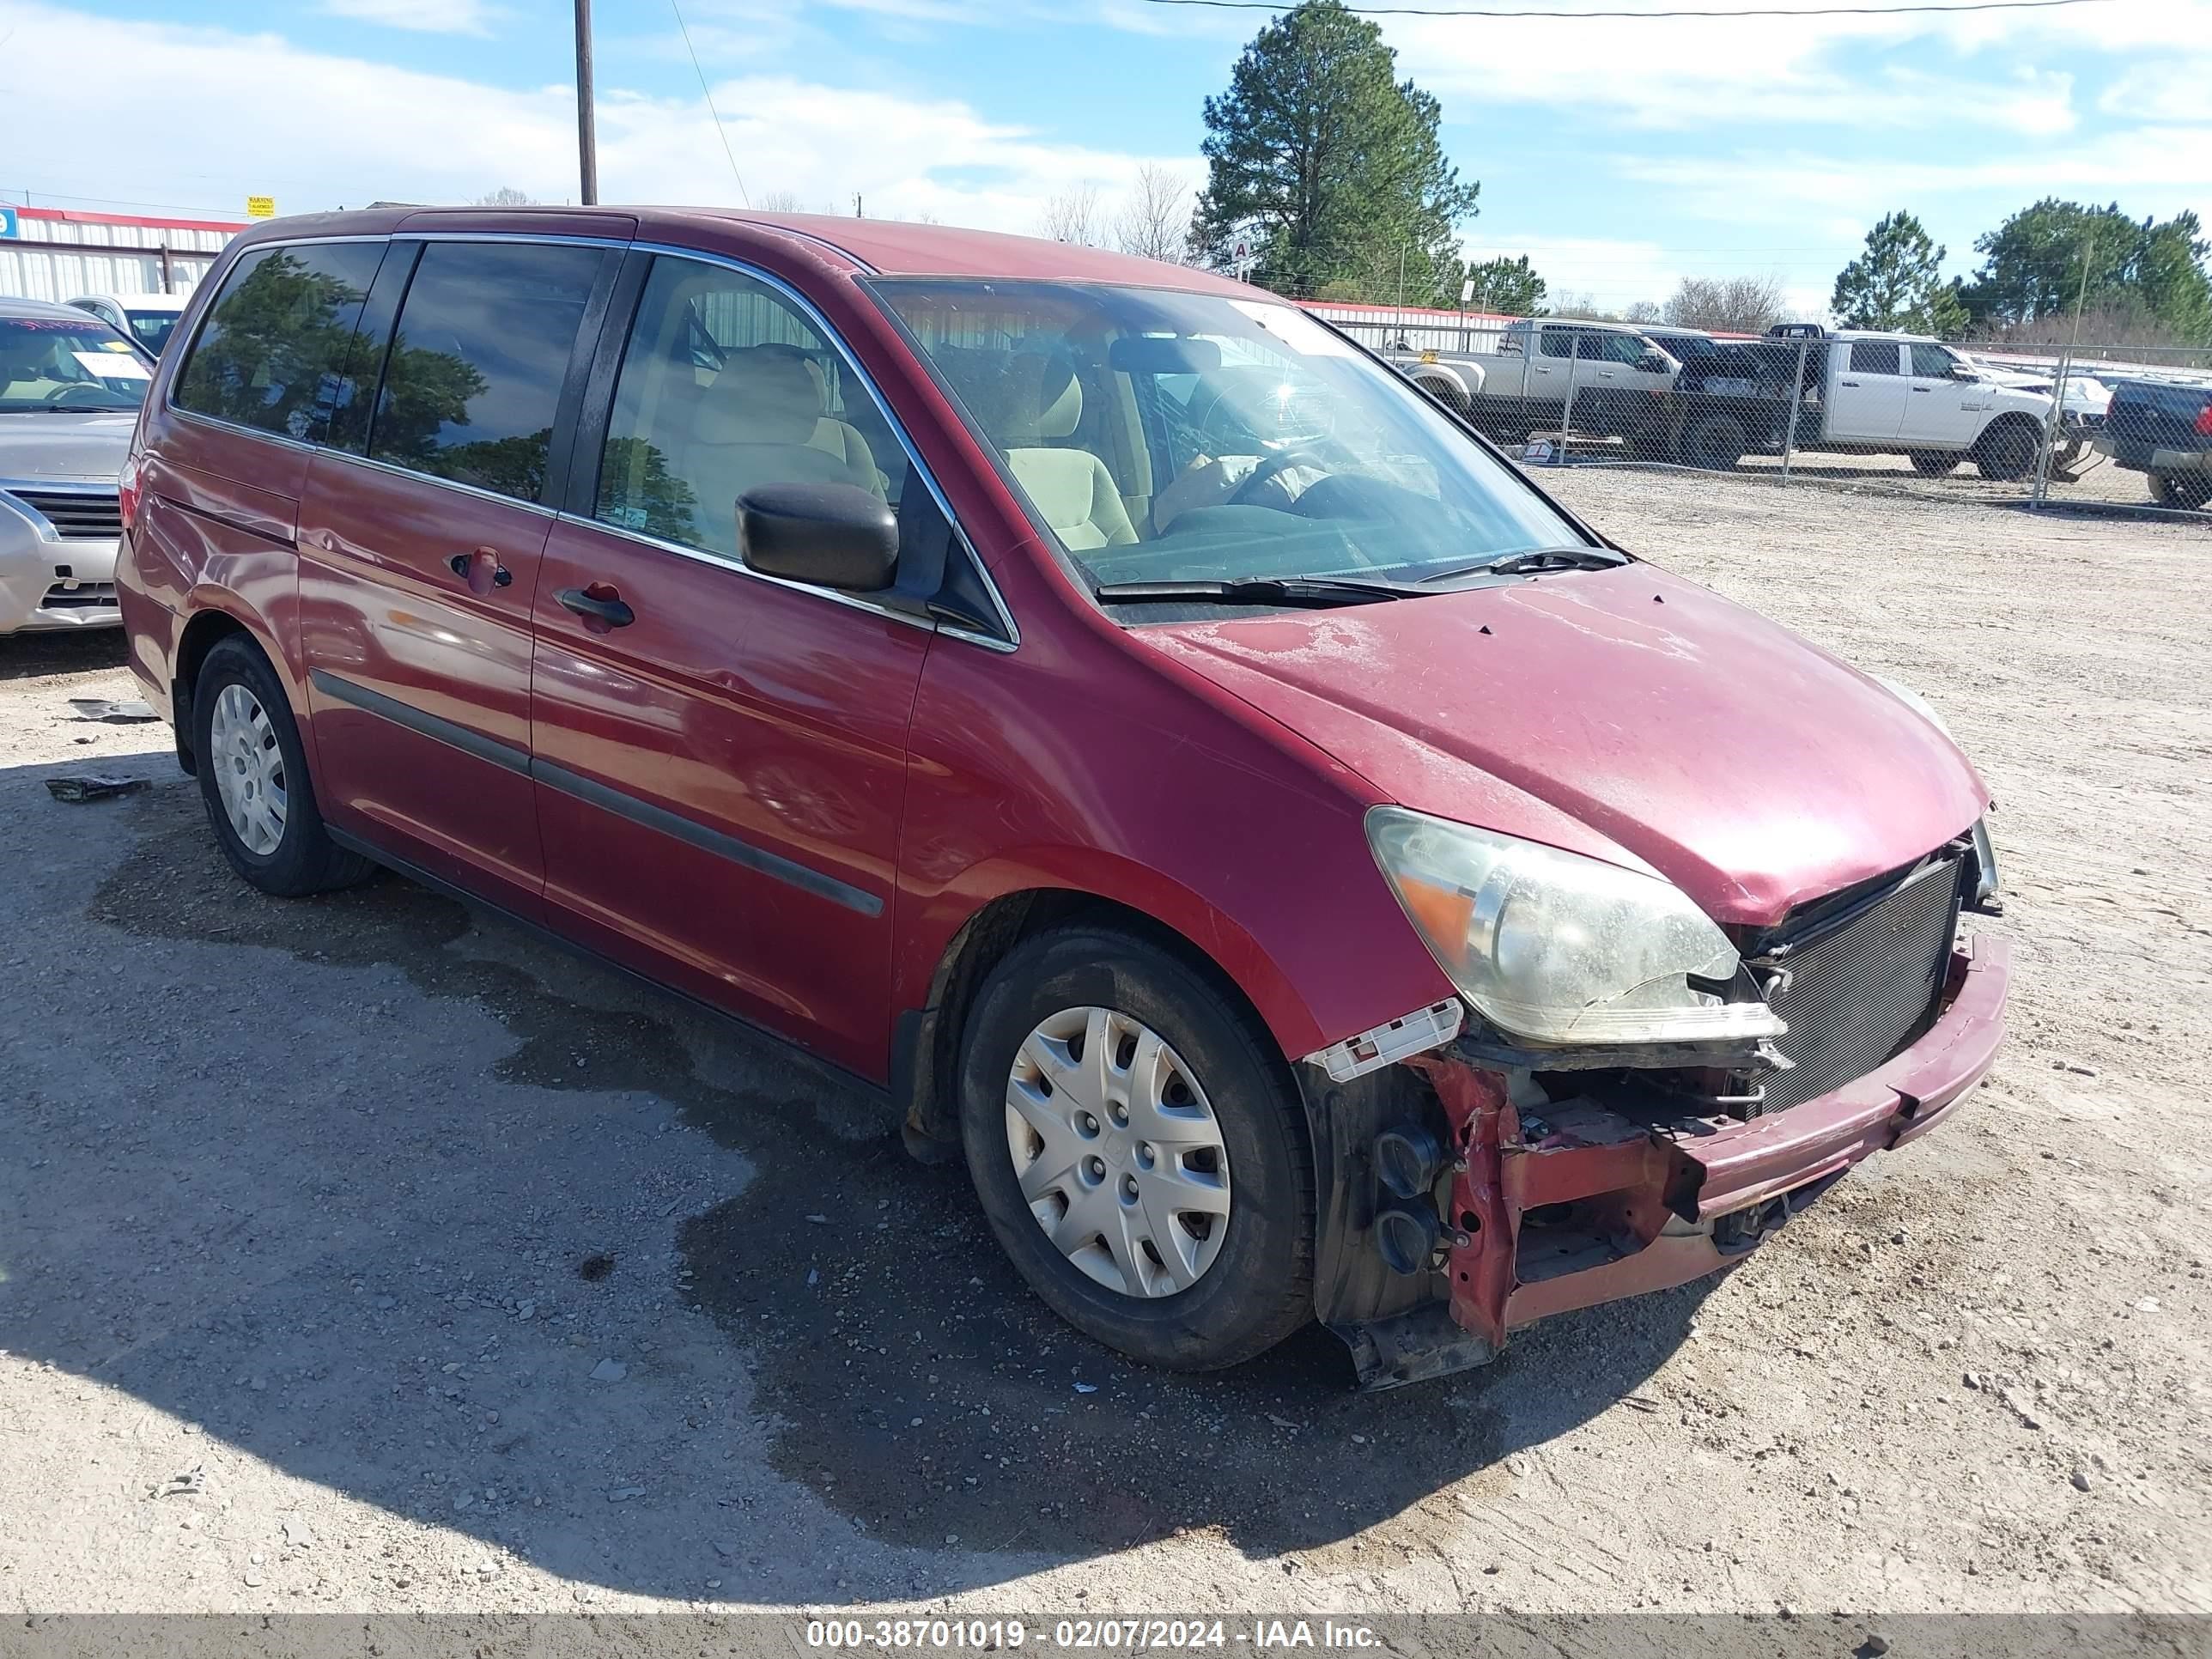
x,y
1463,1200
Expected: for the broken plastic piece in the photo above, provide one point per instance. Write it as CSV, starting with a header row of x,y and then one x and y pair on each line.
x,y
87,787
113,713
1415,1033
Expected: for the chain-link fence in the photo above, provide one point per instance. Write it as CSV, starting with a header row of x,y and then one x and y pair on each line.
x,y
2112,425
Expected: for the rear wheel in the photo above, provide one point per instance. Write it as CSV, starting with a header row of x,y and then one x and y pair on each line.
x,y
253,778
2182,489
1714,441
2007,451
1933,463
1138,1151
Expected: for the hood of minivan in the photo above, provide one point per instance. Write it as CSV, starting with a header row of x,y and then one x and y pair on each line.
x,y
90,444
1624,712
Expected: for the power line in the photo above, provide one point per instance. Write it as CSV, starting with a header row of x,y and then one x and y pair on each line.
x,y
719,132
1755,11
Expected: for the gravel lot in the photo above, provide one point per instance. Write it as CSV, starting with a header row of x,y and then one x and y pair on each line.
x,y
362,1256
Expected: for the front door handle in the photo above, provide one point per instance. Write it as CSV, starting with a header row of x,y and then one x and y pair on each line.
x,y
600,606
481,570
1847,383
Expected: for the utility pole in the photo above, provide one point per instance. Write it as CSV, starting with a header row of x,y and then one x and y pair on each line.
x,y
587,144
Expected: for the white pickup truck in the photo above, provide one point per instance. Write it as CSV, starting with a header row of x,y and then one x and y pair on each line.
x,y
1863,393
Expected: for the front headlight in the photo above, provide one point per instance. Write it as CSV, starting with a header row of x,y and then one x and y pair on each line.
x,y
1555,948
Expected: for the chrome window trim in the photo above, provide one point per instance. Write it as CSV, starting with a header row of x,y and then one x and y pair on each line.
x,y
737,567
820,324
222,425
465,487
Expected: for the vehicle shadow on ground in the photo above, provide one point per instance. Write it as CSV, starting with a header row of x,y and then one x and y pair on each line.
x,y
893,1363
83,651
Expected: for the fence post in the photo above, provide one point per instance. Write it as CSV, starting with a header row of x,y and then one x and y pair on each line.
x,y
1566,409
1796,398
2052,417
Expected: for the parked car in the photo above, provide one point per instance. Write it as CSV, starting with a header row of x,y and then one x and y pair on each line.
x,y
69,391
1867,393
148,318
1368,895
2163,430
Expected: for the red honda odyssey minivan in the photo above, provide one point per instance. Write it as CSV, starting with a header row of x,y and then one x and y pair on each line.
x,y
1306,871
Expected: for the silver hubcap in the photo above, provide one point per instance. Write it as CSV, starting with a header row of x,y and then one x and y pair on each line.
x,y
1118,1151
249,770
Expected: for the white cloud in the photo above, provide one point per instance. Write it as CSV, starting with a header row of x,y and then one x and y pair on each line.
x,y
431,16
2178,90
323,129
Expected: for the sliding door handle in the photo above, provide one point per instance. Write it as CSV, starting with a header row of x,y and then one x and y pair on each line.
x,y
600,606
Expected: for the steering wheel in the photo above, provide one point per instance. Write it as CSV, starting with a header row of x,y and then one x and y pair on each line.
x,y
1311,454
59,396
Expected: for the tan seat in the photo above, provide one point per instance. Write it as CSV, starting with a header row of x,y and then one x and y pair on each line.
x,y
834,437
1032,400
754,425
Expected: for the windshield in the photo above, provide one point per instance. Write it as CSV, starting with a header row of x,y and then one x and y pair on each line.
x,y
153,328
67,363
1166,437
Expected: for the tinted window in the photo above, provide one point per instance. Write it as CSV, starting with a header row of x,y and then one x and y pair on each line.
x,y
1931,362
270,352
1875,357
1558,342
477,362
1612,347
723,387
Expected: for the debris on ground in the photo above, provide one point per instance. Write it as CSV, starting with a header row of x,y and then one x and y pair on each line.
x,y
90,785
113,714
193,1480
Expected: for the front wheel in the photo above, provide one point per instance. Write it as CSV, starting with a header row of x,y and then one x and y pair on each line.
x,y
1139,1150
253,778
1933,463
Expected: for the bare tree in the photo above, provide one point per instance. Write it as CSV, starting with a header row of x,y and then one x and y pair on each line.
x,y
1737,305
1072,217
780,200
505,195
1154,223
1645,311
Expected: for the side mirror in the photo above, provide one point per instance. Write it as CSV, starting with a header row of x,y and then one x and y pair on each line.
x,y
1965,372
832,535
1654,363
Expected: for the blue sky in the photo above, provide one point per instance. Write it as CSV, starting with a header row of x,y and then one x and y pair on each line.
x,y
1619,155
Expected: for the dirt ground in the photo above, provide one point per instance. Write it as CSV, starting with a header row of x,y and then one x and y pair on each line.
x,y
358,1254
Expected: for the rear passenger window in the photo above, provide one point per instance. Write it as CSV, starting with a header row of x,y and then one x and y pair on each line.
x,y
274,344
1875,357
725,385
474,376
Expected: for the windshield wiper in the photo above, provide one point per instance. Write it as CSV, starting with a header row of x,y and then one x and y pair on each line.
x,y
1580,556
1255,590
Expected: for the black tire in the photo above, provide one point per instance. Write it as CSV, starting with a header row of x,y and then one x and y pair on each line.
x,y
2186,490
2007,452
1445,392
305,860
1714,442
1259,1288
1934,463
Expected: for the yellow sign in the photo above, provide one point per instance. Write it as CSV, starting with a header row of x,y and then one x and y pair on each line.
x,y
261,207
